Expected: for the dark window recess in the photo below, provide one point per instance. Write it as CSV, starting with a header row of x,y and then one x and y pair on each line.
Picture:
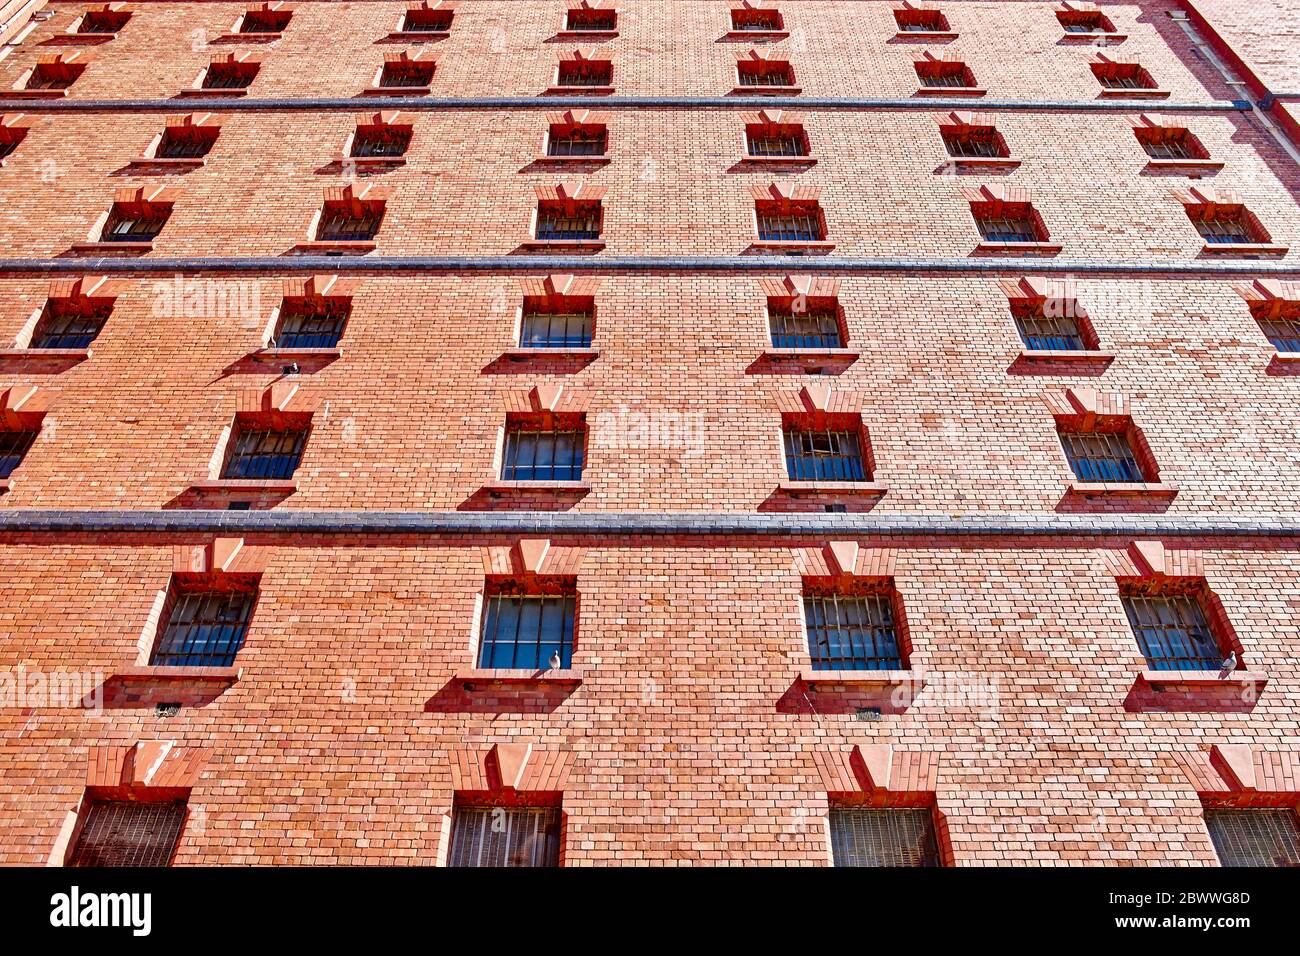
x,y
9,140
187,142
406,75
204,629
577,141
1101,456
764,73
229,76
581,19
946,75
566,328
314,325
1008,228
1044,333
776,140
852,633
265,453
1171,143
824,456
793,223
141,225
525,631
68,325
356,222
872,837
756,21
1227,227
974,142
1084,21
1172,633
103,21
264,21
1123,76
54,76
121,833
381,141
536,455
1282,331
586,73
1254,836
13,446
816,327
505,836
573,221
921,21
427,21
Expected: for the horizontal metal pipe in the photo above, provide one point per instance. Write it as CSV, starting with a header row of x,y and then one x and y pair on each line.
x,y
621,524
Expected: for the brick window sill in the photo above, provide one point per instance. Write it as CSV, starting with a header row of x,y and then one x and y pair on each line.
x,y
372,162
865,488
600,160
586,34
1246,249
760,36
986,247
249,37
810,355
81,39
1122,489
925,36
1133,95
792,248
558,487
112,248
983,162
417,36
296,355
863,678
1288,358
570,676
1065,356
522,352
44,356
766,90
214,93
1094,37
277,485
951,91
169,162
36,94
159,672
1206,164
1194,679
565,245
579,90
396,91
783,161
324,247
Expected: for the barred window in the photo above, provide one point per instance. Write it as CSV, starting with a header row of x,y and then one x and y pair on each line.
x,y
402,75
1084,21
128,833
921,21
824,456
54,76
1044,333
1282,331
1254,836
505,836
1164,143
974,142
1123,76
863,836
565,328
204,628
942,74
264,21
764,73
381,141
816,327
265,453
852,632
229,76
103,21
575,221
141,225
586,73
797,223
13,447
756,21
1101,456
540,455
354,222
582,19
1225,228
776,140
68,325
1008,228
313,325
525,631
187,142
427,21
1173,633
577,141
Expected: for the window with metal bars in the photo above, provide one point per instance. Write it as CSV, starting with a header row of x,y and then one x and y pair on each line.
x,y
564,327
264,21
525,631
1123,76
816,327
229,76
764,73
1084,21
204,628
188,142
974,142
921,21
852,632
505,836
935,74
1254,836
1173,633
577,141
585,73
1008,228
790,223
354,222
427,21
586,20
13,447
122,833
103,21
775,140
1226,228
381,141
823,455
568,221
535,454
866,836
136,225
1102,456
1283,331
312,324
54,76
1164,143
406,75
264,453
65,325
749,20
1044,333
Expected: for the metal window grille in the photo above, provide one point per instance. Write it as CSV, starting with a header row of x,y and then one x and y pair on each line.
x,y
751,73
585,73
576,222
777,143
1255,836
47,78
128,833
313,326
1125,79
945,75
814,328
505,836
1007,228
13,446
577,142
427,21
556,330
533,455
873,837
973,144
1224,230
189,143
920,21
1041,332
402,75
264,21
134,227
1284,333
1179,146
1083,22
349,223
756,21
791,226
265,453
102,21
228,76
204,629
579,20
852,633
824,456
1101,456
522,631
64,327
381,140
1173,634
